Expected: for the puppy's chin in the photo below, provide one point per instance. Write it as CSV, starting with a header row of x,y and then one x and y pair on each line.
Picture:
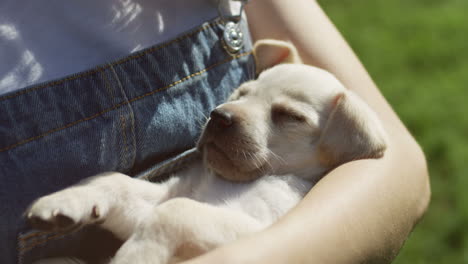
x,y
217,160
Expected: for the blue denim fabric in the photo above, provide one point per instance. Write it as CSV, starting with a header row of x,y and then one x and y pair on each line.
x,y
127,116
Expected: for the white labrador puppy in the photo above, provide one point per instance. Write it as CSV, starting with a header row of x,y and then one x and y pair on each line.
x,y
262,152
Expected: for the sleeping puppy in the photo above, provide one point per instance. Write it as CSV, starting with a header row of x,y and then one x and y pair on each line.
x,y
262,152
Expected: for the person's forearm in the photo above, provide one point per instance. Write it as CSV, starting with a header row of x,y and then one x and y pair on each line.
x,y
360,212
363,210
356,214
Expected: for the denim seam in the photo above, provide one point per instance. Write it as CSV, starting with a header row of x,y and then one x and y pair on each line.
x,y
35,244
35,234
123,158
134,147
123,161
108,87
127,162
103,68
123,103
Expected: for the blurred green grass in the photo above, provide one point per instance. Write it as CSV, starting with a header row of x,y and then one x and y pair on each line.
x,y
417,52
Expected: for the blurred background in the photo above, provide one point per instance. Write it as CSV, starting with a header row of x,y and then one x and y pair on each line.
x,y
417,53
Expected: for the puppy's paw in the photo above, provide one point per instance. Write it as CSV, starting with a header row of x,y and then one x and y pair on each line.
x,y
66,209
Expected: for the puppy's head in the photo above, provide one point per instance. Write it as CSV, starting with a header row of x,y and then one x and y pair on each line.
x,y
293,119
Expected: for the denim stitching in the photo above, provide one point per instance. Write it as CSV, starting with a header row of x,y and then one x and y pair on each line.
x,y
124,160
35,234
129,163
132,132
122,103
102,68
108,87
27,248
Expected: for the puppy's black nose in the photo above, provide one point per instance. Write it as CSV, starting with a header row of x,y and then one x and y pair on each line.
x,y
222,117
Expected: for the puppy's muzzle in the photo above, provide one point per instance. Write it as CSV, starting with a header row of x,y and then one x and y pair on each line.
x,y
221,127
222,118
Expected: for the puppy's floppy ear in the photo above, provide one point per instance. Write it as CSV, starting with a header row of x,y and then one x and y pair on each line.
x,y
269,52
351,132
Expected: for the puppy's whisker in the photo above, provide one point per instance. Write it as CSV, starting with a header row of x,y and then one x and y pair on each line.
x,y
251,157
200,112
201,118
256,161
259,163
276,157
254,158
200,124
268,163
243,153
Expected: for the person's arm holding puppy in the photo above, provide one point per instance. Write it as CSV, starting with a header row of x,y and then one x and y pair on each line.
x,y
362,211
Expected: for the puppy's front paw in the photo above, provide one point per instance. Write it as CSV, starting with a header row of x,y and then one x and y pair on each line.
x,y
66,209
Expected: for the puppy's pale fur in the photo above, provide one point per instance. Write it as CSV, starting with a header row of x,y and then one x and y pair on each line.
x,y
262,152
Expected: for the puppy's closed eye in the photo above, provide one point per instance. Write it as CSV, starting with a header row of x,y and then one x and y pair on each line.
x,y
281,113
243,92
240,92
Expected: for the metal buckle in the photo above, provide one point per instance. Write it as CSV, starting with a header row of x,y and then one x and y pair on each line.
x,y
232,36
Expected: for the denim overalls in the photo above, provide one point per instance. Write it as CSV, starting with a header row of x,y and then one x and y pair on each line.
x,y
130,115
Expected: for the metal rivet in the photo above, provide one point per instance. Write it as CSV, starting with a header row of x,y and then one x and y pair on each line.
x,y
233,37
